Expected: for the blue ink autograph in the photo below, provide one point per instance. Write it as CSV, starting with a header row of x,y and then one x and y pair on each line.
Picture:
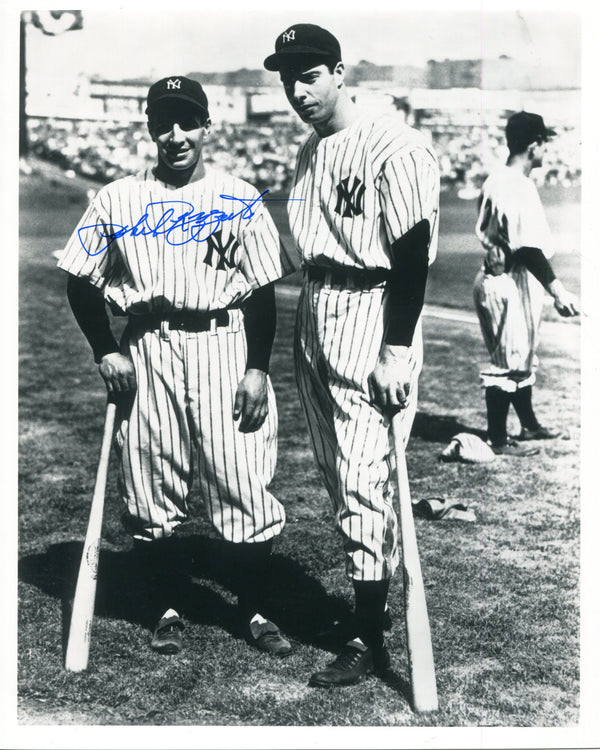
x,y
194,226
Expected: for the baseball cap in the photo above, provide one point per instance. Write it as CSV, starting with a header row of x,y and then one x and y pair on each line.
x,y
523,128
304,39
177,87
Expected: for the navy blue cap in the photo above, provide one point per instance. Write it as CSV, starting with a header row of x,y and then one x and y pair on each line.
x,y
306,40
177,87
525,128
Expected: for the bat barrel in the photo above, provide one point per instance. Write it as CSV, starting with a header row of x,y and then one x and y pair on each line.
x,y
418,633
78,646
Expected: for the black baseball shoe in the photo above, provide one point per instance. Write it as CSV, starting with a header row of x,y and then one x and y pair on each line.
x,y
167,634
541,433
355,662
266,636
512,448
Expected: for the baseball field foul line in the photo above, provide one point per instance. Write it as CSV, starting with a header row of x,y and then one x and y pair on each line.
x,y
444,313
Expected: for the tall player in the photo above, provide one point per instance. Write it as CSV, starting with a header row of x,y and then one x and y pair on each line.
x,y
364,216
188,254
509,289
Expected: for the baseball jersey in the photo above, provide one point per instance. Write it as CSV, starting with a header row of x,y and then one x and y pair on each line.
x,y
511,213
357,191
151,247
354,194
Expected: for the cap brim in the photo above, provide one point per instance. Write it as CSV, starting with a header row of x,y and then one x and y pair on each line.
x,y
176,97
550,132
275,61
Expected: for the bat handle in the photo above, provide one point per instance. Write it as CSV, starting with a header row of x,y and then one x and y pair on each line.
x,y
409,540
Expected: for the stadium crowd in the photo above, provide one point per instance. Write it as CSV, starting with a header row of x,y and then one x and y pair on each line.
x,y
466,157
264,153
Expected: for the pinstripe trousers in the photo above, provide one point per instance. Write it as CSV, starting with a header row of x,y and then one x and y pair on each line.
x,y
182,414
338,338
509,308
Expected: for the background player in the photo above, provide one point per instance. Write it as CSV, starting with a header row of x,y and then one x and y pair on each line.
x,y
509,289
179,249
364,215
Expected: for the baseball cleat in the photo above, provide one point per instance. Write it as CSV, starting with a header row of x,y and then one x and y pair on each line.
x,y
541,433
266,636
353,665
167,634
512,448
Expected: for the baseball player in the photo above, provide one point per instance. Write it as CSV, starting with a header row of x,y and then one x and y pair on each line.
x,y
509,288
188,254
363,212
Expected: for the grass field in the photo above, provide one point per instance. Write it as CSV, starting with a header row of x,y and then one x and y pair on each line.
x,y
503,592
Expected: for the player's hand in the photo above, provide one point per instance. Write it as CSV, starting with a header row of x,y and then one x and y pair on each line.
x,y
389,383
118,373
565,303
251,401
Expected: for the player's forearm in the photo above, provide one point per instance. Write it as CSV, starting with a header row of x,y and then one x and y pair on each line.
x,y
260,322
406,287
536,263
87,304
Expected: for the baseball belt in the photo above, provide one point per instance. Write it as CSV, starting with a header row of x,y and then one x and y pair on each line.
x,y
182,320
348,277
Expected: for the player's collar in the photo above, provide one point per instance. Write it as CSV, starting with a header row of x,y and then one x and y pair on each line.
x,y
150,175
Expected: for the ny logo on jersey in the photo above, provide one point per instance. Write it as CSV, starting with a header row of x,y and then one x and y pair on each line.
x,y
174,83
350,201
288,36
224,254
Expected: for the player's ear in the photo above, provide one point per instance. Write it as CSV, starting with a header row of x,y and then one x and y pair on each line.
x,y
206,127
150,130
339,72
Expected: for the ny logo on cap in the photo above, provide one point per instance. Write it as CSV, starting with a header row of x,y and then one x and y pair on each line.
x,y
289,36
174,83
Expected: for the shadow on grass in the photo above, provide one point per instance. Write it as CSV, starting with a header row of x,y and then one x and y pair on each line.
x,y
399,683
295,600
440,428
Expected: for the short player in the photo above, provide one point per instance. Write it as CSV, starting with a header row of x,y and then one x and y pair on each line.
x,y
363,212
510,287
189,256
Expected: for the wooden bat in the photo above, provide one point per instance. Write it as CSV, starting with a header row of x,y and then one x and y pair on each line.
x,y
418,635
78,646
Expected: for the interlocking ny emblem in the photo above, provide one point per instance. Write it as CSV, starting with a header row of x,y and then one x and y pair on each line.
x,y
289,36
174,83
224,254
350,201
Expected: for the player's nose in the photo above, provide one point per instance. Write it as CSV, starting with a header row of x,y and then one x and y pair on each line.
x,y
299,92
177,133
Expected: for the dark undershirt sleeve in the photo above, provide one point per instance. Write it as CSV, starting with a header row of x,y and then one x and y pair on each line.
x,y
536,263
260,322
87,304
406,285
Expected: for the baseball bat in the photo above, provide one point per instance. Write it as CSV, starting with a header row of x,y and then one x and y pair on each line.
x,y
418,634
82,613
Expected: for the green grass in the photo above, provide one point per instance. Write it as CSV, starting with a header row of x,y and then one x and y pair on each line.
x,y
503,593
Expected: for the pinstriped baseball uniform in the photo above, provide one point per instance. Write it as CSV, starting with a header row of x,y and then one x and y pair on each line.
x,y
359,190
509,305
135,243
